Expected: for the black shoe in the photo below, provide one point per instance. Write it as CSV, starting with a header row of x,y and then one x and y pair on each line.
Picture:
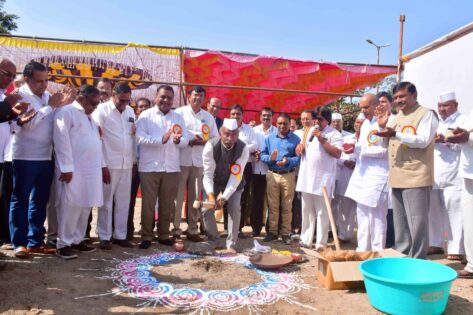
x,y
286,239
224,233
256,234
83,247
105,245
167,242
145,245
51,243
66,253
123,243
270,237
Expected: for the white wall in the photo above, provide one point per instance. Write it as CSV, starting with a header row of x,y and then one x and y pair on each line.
x,y
449,67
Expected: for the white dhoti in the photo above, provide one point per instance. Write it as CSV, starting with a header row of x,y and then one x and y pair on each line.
x,y
446,220
372,225
116,197
314,209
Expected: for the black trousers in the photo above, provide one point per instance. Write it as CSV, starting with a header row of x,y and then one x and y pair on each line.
x,y
135,184
246,196
258,195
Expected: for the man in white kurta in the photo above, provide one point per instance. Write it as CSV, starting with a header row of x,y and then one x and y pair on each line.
x,y
201,126
464,135
160,133
317,170
368,185
116,120
343,207
78,151
445,216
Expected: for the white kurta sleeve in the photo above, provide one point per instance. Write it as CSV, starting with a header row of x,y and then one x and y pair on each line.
x,y
143,136
209,168
62,141
234,180
425,132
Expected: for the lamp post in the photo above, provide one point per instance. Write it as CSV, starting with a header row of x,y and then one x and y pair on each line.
x,y
378,47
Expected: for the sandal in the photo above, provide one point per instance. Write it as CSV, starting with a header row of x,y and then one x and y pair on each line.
x,y
455,257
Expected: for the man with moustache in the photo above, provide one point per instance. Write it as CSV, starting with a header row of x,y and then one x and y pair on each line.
x,y
160,133
411,165
201,126
104,85
223,159
280,156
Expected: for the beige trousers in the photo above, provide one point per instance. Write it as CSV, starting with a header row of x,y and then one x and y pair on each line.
x,y
187,182
280,190
156,185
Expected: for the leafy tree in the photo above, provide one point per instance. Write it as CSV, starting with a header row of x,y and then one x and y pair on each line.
x,y
7,21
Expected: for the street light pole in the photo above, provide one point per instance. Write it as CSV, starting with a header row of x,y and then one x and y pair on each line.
x,y
378,50
378,47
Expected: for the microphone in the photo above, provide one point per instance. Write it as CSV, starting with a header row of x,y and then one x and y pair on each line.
x,y
312,135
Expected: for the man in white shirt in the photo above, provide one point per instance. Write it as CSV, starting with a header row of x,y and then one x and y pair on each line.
x,y
411,157
201,126
258,193
319,156
464,135
248,136
445,216
368,185
33,168
116,120
343,207
160,133
104,85
223,160
79,160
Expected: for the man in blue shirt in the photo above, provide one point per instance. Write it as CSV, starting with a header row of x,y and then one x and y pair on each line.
x,y
280,156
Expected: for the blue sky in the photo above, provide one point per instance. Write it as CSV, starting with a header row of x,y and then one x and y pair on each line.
x,y
312,30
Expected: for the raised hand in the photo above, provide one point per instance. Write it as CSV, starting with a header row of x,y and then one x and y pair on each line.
x,y
382,115
20,108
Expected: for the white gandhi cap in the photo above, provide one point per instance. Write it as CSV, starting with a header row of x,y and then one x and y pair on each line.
x,y
447,96
361,116
230,123
337,116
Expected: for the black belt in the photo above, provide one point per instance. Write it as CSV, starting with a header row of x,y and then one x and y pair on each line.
x,y
282,172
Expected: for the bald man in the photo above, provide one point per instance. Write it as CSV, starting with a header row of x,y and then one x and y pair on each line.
x,y
368,185
213,107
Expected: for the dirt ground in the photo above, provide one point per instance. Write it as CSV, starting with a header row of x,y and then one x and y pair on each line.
x,y
45,284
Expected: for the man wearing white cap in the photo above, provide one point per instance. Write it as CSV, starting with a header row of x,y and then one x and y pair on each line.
x,y
344,208
445,216
224,159
464,135
368,185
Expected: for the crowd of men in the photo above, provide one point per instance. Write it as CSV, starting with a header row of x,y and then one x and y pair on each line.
x,y
402,180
